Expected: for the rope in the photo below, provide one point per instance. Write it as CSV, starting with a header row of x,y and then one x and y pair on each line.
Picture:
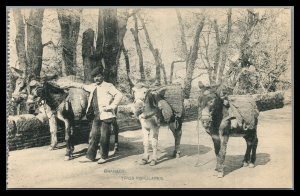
x,y
198,158
198,133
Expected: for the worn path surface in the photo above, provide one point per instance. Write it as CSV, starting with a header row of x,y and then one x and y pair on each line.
x,y
40,168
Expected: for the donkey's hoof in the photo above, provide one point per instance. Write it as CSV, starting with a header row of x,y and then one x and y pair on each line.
x,y
67,158
50,148
215,173
116,148
251,165
152,163
143,162
245,164
176,154
220,174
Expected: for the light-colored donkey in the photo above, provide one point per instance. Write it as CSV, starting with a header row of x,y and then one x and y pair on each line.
x,y
150,107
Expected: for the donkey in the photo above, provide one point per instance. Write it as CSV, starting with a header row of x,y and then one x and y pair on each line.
x,y
66,106
18,93
222,117
151,108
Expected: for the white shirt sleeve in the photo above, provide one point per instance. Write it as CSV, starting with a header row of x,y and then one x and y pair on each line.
x,y
88,87
116,94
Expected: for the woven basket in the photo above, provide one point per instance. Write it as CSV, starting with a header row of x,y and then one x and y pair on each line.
x,y
173,94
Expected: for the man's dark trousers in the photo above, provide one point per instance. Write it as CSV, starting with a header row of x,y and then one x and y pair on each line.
x,y
101,131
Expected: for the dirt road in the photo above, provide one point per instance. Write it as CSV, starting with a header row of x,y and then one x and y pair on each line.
x,y
40,168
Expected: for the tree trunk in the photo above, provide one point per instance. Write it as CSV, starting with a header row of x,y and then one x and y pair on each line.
x,y
218,52
225,47
245,53
182,35
87,51
165,74
125,52
172,69
20,39
135,32
192,61
122,29
34,42
111,45
154,52
100,38
69,20
162,66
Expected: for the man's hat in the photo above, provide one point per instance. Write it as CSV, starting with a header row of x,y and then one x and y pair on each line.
x,y
97,71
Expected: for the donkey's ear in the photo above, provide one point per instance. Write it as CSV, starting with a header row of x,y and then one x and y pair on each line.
x,y
17,72
49,77
133,91
162,91
33,83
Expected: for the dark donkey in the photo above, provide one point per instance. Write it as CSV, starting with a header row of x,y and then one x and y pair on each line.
x,y
66,106
223,116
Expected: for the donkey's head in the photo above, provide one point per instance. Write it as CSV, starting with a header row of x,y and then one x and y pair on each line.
x,y
211,103
39,88
139,92
18,78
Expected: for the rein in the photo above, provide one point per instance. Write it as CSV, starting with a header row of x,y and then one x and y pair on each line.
x,y
149,115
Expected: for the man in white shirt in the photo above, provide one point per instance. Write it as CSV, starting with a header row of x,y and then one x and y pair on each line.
x,y
103,101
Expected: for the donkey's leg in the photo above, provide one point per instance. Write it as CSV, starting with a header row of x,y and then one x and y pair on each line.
x,y
176,128
217,145
248,150
116,132
154,145
67,135
224,137
253,153
222,153
53,132
52,125
146,132
72,129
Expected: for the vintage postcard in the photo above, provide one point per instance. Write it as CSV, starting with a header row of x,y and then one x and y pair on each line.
x,y
161,97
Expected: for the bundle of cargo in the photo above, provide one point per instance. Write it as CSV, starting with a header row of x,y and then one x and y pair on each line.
x,y
77,96
244,109
269,101
173,95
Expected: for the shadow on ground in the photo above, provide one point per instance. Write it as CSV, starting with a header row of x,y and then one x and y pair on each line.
x,y
185,149
127,147
234,162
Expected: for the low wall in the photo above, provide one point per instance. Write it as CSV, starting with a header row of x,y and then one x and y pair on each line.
x,y
26,131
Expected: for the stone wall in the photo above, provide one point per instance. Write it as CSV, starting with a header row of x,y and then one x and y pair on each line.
x,y
26,131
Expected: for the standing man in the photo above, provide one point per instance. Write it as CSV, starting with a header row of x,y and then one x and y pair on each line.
x,y
103,101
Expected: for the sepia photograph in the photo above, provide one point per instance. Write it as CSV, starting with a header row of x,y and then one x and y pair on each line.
x,y
149,98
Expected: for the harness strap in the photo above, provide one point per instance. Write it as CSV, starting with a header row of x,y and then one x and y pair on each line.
x,y
149,115
54,112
